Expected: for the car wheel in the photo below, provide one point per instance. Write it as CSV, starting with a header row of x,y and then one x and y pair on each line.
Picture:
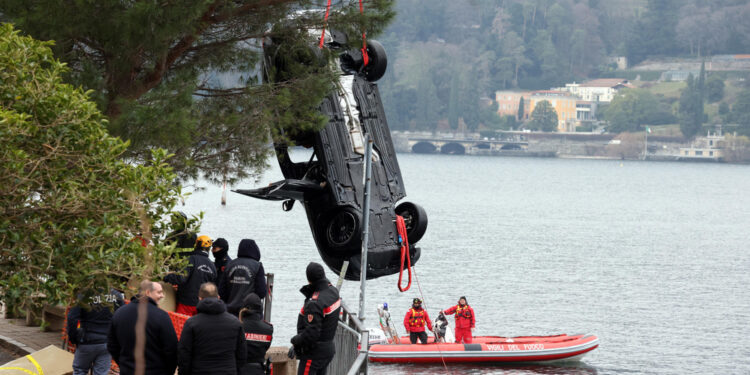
x,y
342,228
415,218
378,62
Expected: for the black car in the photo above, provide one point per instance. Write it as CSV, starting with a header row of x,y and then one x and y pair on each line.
x,y
330,184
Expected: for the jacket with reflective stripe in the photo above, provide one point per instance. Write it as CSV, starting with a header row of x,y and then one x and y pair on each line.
x,y
258,337
319,317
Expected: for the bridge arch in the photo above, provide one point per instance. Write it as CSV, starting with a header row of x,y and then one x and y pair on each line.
x,y
511,146
453,148
423,147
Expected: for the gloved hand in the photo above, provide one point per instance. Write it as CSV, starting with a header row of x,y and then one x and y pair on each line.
x,y
290,353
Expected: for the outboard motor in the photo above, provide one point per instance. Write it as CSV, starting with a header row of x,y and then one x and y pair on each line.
x,y
441,325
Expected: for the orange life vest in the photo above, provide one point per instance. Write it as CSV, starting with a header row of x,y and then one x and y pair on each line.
x,y
463,312
417,318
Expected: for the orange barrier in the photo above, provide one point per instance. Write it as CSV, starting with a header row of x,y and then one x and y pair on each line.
x,y
178,321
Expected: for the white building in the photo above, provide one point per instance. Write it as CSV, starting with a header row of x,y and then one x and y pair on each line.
x,y
598,91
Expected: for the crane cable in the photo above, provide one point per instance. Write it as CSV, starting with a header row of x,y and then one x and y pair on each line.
x,y
401,227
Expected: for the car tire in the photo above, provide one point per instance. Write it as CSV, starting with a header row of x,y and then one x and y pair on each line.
x,y
342,229
416,220
378,61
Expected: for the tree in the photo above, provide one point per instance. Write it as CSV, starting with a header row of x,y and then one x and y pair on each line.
x,y
543,117
691,105
520,114
630,110
654,33
74,213
714,89
740,114
427,104
725,112
453,103
489,118
514,52
183,75
469,99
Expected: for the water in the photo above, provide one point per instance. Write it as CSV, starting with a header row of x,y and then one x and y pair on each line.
x,y
651,257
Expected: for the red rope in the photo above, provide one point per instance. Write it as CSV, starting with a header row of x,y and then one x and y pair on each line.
x,y
365,57
401,227
323,35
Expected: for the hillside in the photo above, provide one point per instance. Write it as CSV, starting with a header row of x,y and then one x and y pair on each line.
x,y
447,59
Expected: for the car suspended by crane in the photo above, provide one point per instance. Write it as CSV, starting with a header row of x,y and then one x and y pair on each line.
x,y
330,184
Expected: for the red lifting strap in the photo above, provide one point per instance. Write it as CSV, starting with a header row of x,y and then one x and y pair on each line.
x,y
365,57
401,227
323,35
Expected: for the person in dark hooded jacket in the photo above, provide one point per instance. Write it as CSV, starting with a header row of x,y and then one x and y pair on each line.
x,y
220,251
199,270
243,276
258,335
316,323
212,342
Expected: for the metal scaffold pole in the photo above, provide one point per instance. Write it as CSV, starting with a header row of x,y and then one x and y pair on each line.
x,y
360,365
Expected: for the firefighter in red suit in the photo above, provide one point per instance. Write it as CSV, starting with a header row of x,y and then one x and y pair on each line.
x,y
465,320
415,321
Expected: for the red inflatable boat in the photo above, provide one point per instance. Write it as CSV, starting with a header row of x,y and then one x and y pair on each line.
x,y
489,349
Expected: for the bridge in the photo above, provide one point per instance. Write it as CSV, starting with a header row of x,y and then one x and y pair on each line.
x,y
463,146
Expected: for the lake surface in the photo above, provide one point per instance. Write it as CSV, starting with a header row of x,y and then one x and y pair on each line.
x,y
654,258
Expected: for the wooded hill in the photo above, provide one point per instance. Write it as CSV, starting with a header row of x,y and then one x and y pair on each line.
x,y
445,56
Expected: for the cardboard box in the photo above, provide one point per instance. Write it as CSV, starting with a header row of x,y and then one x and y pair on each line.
x,y
51,360
169,302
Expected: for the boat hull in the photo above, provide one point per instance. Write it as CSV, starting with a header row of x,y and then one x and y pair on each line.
x,y
492,349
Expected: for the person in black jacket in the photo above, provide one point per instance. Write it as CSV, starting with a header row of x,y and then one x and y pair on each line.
x,y
243,276
160,350
212,342
316,324
258,335
87,328
181,237
200,270
220,251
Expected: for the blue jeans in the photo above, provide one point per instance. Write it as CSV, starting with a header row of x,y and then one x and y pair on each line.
x,y
92,356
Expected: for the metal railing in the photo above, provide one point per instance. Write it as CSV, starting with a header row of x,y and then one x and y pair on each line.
x,y
269,298
348,335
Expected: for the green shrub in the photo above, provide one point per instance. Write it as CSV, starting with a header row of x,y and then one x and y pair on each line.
x,y
73,210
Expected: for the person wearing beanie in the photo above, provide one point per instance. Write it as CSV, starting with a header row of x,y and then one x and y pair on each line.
x,y
316,323
243,276
465,320
415,320
220,251
258,335
199,270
